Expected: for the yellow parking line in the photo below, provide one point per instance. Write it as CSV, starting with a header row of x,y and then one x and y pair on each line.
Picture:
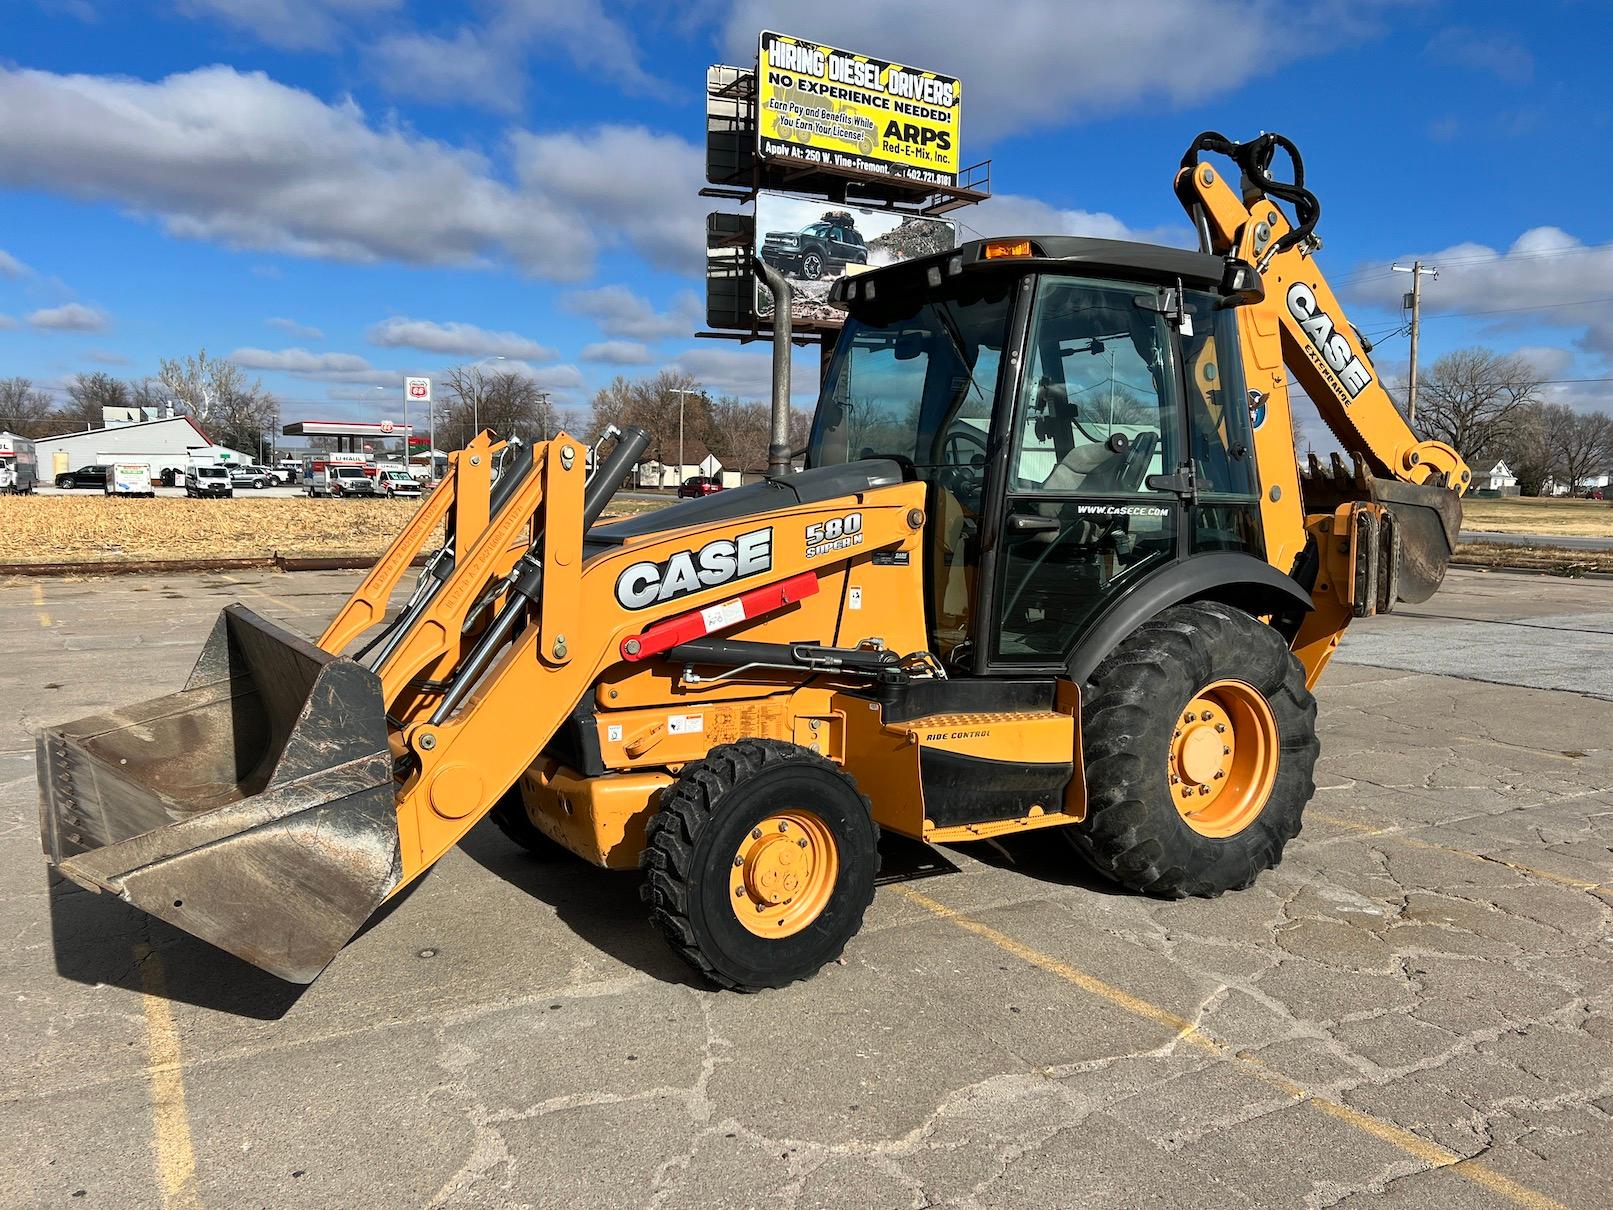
x,y
1396,1136
176,1159
1579,884
39,606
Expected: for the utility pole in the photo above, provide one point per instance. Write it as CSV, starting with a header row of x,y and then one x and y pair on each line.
x,y
1416,269
682,393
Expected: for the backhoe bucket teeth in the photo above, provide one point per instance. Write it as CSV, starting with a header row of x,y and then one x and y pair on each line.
x,y
1428,520
254,808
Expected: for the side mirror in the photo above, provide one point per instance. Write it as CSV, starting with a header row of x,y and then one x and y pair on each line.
x,y
1241,284
910,345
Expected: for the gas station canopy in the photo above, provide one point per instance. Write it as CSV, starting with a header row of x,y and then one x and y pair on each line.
x,y
350,434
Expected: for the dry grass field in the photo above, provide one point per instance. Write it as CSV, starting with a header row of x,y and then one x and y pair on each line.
x,y
1540,515
101,529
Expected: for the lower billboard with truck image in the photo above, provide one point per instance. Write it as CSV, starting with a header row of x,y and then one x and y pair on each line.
x,y
812,242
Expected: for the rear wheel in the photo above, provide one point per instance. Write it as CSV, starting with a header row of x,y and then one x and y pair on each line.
x,y
760,863
1200,744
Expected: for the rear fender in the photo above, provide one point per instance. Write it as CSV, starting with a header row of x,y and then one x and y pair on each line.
x,y
1237,579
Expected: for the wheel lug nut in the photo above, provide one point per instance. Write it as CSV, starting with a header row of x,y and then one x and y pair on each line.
x,y
1206,716
739,892
756,834
1220,726
800,844
1225,751
739,861
784,827
1174,779
1188,717
1204,789
1219,775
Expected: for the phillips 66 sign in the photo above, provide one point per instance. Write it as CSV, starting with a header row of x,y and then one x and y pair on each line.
x,y
417,390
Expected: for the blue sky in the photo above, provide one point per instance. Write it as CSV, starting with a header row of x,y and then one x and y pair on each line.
x,y
338,192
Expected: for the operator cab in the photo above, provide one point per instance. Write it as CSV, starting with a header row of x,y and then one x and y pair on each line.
x,y
1078,411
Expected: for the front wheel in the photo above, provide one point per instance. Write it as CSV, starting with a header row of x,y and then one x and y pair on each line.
x,y
65,483
811,266
1200,744
760,863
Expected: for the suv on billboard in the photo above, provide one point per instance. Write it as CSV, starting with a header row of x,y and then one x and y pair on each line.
x,y
828,245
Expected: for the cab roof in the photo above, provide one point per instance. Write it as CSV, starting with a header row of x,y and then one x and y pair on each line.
x,y
1100,257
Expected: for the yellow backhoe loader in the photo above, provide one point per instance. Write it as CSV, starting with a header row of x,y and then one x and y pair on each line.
x,y
1051,563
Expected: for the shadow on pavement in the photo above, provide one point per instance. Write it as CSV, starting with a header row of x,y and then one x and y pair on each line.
x,y
95,939
603,908
1047,855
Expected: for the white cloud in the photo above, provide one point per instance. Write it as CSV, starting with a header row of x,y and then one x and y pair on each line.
x,y
1028,63
300,362
10,266
619,353
1547,277
290,24
488,63
1493,53
622,313
455,339
70,317
748,372
297,331
240,159
640,185
1015,214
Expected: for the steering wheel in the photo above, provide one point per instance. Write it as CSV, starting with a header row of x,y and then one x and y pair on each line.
x,y
959,475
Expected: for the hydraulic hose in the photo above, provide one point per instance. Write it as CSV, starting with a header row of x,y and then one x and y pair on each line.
x,y
526,578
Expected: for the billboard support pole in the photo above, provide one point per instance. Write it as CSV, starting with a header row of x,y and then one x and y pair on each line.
x,y
778,447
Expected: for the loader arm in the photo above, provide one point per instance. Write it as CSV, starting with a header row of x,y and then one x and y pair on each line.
x,y
1363,535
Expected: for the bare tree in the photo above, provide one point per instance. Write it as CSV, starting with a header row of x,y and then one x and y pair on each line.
x,y
1471,399
652,403
1582,443
1528,449
26,410
217,394
88,395
508,403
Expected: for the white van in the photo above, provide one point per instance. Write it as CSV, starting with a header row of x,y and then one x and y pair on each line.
x,y
208,479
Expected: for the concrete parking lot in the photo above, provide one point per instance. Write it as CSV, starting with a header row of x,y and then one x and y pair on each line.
x,y
1413,1010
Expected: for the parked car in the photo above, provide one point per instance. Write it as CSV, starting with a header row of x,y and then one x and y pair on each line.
x,y
208,480
84,476
828,245
698,485
394,481
250,474
288,471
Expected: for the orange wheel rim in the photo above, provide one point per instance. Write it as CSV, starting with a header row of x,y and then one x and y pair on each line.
x,y
1223,758
783,873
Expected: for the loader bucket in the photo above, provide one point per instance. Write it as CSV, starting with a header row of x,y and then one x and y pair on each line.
x,y
253,809
1428,520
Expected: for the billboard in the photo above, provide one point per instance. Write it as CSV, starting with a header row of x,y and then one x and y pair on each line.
x,y
812,242
843,110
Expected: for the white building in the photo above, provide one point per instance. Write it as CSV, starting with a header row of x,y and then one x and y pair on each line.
x,y
163,445
1499,478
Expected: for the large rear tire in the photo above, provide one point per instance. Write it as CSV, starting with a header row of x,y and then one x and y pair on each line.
x,y
760,863
1199,739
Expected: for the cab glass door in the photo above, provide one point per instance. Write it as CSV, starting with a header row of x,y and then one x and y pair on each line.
x,y
1098,415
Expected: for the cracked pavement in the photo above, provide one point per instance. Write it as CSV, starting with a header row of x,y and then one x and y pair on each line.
x,y
1412,1010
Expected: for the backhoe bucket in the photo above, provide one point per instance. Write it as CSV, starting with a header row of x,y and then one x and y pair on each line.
x,y
254,808
1428,520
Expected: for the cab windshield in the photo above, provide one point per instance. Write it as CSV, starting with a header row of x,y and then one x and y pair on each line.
x,y
916,380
